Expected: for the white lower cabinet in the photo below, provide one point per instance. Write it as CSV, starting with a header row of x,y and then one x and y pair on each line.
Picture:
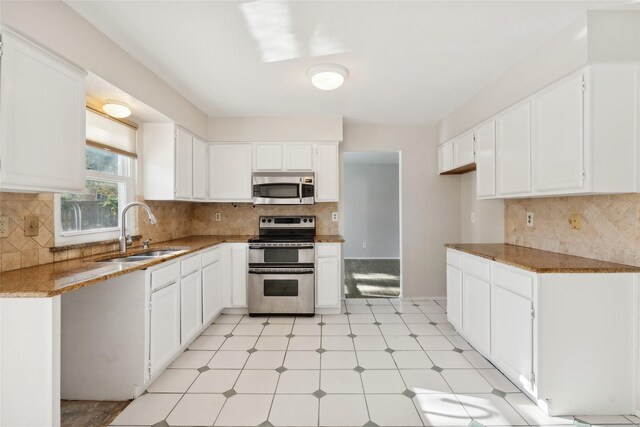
x,y
238,274
190,306
328,275
454,296
164,327
476,317
211,285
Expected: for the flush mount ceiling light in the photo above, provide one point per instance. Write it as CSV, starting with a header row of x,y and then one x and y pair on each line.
x,y
116,109
327,76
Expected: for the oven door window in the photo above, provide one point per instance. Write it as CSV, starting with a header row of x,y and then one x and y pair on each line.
x,y
280,288
281,255
276,191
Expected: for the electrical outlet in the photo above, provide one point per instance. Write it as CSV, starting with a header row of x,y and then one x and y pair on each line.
x,y
31,226
575,221
4,226
364,245
530,219
218,216
334,216
473,217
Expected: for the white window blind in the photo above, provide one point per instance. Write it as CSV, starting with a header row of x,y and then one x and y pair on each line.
x,y
108,134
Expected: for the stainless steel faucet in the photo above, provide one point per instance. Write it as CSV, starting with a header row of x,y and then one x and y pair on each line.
x,y
125,239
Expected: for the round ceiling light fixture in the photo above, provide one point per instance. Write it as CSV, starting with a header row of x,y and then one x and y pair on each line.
x,y
327,76
116,109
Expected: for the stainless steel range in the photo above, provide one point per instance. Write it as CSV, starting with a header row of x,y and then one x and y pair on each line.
x,y
282,266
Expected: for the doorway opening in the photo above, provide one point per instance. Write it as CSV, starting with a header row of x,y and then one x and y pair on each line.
x,y
372,227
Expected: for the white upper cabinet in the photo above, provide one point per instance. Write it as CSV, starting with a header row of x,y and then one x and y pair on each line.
x,y
445,157
230,172
200,169
42,119
558,136
463,150
184,165
327,173
268,157
298,157
283,157
486,160
513,156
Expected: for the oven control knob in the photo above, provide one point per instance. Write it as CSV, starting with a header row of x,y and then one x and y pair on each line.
x,y
304,220
269,220
264,220
310,219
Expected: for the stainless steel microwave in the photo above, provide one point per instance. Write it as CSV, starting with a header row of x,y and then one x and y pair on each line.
x,y
283,188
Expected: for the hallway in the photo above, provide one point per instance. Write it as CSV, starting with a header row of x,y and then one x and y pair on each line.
x,y
370,278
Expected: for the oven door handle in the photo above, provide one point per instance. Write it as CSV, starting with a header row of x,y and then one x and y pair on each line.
x,y
300,190
281,247
283,273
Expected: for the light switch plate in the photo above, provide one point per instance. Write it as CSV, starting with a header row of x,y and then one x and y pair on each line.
x,y
473,217
334,216
530,219
4,225
31,226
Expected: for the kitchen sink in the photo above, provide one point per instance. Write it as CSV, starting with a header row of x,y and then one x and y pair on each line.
x,y
143,256
158,252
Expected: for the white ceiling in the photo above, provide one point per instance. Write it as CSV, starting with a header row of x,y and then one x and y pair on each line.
x,y
411,62
372,158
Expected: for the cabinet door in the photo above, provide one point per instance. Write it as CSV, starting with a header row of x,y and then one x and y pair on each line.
x,y
184,165
558,137
445,157
191,306
327,173
211,291
513,140
512,334
164,337
463,150
42,120
454,296
486,160
239,275
298,157
200,162
268,157
328,282
225,274
476,316
230,172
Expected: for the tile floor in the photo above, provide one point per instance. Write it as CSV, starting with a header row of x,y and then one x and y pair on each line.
x,y
385,362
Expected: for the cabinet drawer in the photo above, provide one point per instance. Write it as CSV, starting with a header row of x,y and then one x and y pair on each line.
x,y
518,283
210,256
327,250
477,267
190,265
454,258
165,275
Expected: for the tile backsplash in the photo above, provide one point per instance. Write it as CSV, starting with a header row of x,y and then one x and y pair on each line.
x,y
610,226
175,220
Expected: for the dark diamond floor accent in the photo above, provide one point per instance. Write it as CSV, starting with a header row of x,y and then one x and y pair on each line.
x,y
162,423
347,313
352,335
265,424
290,336
228,335
320,350
321,324
416,305
433,323
474,423
203,369
281,369
398,313
409,393
370,424
413,335
319,394
251,350
377,323
369,305
436,368
229,393
499,392
458,350
358,369
266,324
389,350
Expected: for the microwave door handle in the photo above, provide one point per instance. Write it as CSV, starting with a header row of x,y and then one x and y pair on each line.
x,y
300,190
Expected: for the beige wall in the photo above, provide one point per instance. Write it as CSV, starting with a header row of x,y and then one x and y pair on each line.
x,y
58,27
275,129
489,214
430,203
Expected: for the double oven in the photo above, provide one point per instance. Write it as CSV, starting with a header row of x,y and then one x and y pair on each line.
x,y
282,266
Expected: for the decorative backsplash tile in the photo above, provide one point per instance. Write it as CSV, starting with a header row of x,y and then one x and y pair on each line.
x,y
610,226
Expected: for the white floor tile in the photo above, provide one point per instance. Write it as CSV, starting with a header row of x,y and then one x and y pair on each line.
x,y
265,360
257,381
446,329
282,320
412,360
441,410
369,343
238,343
192,359
633,419
304,329
337,343
414,318
448,359
207,342
331,319
302,360
424,381
219,329
431,309
388,318
365,329
392,410
378,301
299,382
253,320
229,360
394,329
248,329
382,381
304,343
490,409
356,301
435,342
376,360
235,413
308,320
336,329
604,419
423,329
196,410
438,318
294,410
498,381
358,309
229,318
398,342
477,360
466,381
346,410
361,318
338,360
272,343
532,413
459,342
408,309
174,381
147,409
340,381
214,381
383,309
280,330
